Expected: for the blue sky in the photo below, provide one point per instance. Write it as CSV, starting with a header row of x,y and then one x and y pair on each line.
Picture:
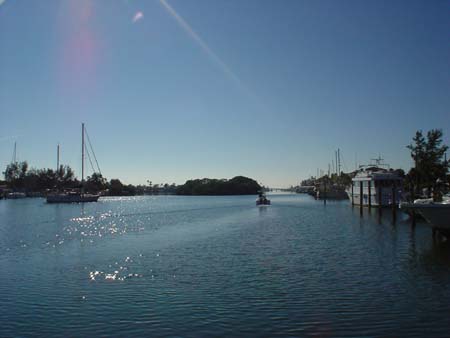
x,y
172,90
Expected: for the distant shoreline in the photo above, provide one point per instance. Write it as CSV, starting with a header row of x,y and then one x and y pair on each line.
x,y
238,185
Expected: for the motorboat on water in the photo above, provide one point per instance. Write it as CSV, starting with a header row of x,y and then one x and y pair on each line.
x,y
376,185
262,199
72,196
436,213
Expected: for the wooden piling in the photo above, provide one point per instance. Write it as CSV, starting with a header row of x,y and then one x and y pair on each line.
x,y
353,197
370,194
361,197
394,199
380,200
380,209
394,202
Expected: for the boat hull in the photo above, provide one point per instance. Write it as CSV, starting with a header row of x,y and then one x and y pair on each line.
x,y
374,198
436,215
337,194
72,198
16,195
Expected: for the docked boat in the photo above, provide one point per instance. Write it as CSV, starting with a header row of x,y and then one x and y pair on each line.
x,y
331,192
7,193
262,199
72,196
437,214
375,185
305,189
15,195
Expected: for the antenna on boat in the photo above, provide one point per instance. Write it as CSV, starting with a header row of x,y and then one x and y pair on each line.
x,y
379,162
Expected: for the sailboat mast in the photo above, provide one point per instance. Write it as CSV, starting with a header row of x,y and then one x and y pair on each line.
x,y
57,158
82,157
337,169
15,153
339,162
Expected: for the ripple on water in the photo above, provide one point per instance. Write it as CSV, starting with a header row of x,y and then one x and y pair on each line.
x,y
119,271
218,266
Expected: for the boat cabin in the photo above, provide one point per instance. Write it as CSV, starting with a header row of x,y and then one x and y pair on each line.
x,y
375,186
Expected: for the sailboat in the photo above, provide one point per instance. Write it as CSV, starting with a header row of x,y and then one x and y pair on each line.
x,y
75,197
15,194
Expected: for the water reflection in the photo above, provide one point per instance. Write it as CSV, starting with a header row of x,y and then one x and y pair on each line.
x,y
212,266
437,257
381,215
262,209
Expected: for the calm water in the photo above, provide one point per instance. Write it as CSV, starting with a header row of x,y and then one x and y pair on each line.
x,y
218,266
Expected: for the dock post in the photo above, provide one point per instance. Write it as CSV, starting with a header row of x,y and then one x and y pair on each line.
x,y
394,197
394,202
379,189
380,199
353,197
360,198
325,193
370,195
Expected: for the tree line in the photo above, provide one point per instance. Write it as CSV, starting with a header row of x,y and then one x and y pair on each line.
x,y
238,185
19,177
431,166
429,173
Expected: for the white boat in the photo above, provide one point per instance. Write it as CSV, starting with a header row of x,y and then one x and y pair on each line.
x,y
437,214
75,197
15,195
72,197
375,185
